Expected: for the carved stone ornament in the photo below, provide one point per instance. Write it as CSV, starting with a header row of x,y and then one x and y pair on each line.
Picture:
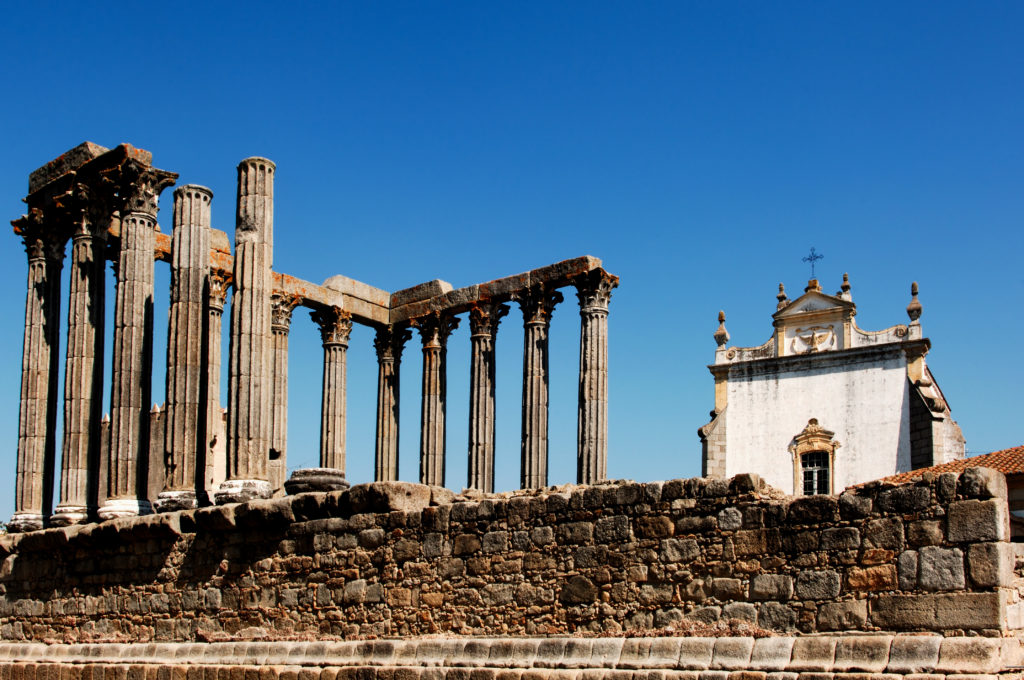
x,y
914,308
281,308
594,290
538,304
814,437
813,339
721,335
435,328
218,289
335,325
140,188
390,341
485,317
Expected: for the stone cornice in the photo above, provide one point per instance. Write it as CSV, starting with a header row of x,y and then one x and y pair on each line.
x,y
842,357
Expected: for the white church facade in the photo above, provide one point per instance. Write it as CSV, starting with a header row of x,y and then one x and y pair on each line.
x,y
823,404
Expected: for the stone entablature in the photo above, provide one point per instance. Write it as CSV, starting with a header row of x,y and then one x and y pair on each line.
x,y
400,559
188,453
867,387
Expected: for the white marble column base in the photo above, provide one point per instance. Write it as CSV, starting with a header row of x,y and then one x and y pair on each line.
x,y
114,508
25,521
66,515
242,490
172,501
316,479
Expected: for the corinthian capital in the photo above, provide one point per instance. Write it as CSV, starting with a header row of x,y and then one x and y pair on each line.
x,y
140,186
335,325
435,328
42,242
538,303
390,341
484,318
281,308
594,290
219,282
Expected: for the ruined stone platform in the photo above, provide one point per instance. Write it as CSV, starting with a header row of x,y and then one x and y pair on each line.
x,y
557,658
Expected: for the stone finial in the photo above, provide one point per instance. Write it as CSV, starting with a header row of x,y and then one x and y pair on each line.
x,y
813,285
781,297
914,308
844,290
722,335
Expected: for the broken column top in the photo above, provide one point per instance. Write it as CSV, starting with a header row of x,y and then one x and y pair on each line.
x,y
64,163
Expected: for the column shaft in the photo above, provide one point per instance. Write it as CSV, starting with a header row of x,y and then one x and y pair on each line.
x,y
251,361
594,291
434,331
37,423
215,461
389,343
484,320
537,306
83,375
184,441
335,328
281,318
132,370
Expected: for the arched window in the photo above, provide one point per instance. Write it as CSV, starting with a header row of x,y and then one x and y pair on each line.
x,y
813,460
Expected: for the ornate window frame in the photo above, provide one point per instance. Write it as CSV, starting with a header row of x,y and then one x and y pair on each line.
x,y
813,438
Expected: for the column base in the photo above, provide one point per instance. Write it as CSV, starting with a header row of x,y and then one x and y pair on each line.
x,y
66,515
115,508
172,501
25,521
316,479
242,490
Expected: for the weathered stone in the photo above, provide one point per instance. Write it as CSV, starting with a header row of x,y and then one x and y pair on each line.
x,y
983,483
914,653
907,568
740,611
578,590
969,655
776,616
813,654
864,654
991,564
940,568
730,519
846,615
679,550
884,533
594,290
728,588
845,538
817,585
882,577
924,532
968,611
852,505
814,510
771,587
977,521
732,653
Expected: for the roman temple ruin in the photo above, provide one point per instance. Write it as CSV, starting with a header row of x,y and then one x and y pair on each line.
x,y
104,204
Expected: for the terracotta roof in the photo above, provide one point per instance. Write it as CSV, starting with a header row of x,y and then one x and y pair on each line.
x,y
1007,461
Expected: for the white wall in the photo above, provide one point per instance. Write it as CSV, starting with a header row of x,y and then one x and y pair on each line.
x,y
866,404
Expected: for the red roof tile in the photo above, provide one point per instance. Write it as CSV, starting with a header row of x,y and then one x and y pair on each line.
x,y
1007,461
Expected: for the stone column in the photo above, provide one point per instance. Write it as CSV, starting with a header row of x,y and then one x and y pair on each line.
x,y
389,343
483,325
185,411
434,331
335,328
249,377
594,291
537,305
83,367
215,462
281,308
37,421
127,464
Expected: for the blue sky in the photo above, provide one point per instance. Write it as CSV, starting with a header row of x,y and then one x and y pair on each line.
x,y
699,149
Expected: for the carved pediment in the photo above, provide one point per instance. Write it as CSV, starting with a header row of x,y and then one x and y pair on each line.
x,y
812,301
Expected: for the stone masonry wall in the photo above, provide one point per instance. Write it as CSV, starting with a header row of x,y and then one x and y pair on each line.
x,y
398,559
